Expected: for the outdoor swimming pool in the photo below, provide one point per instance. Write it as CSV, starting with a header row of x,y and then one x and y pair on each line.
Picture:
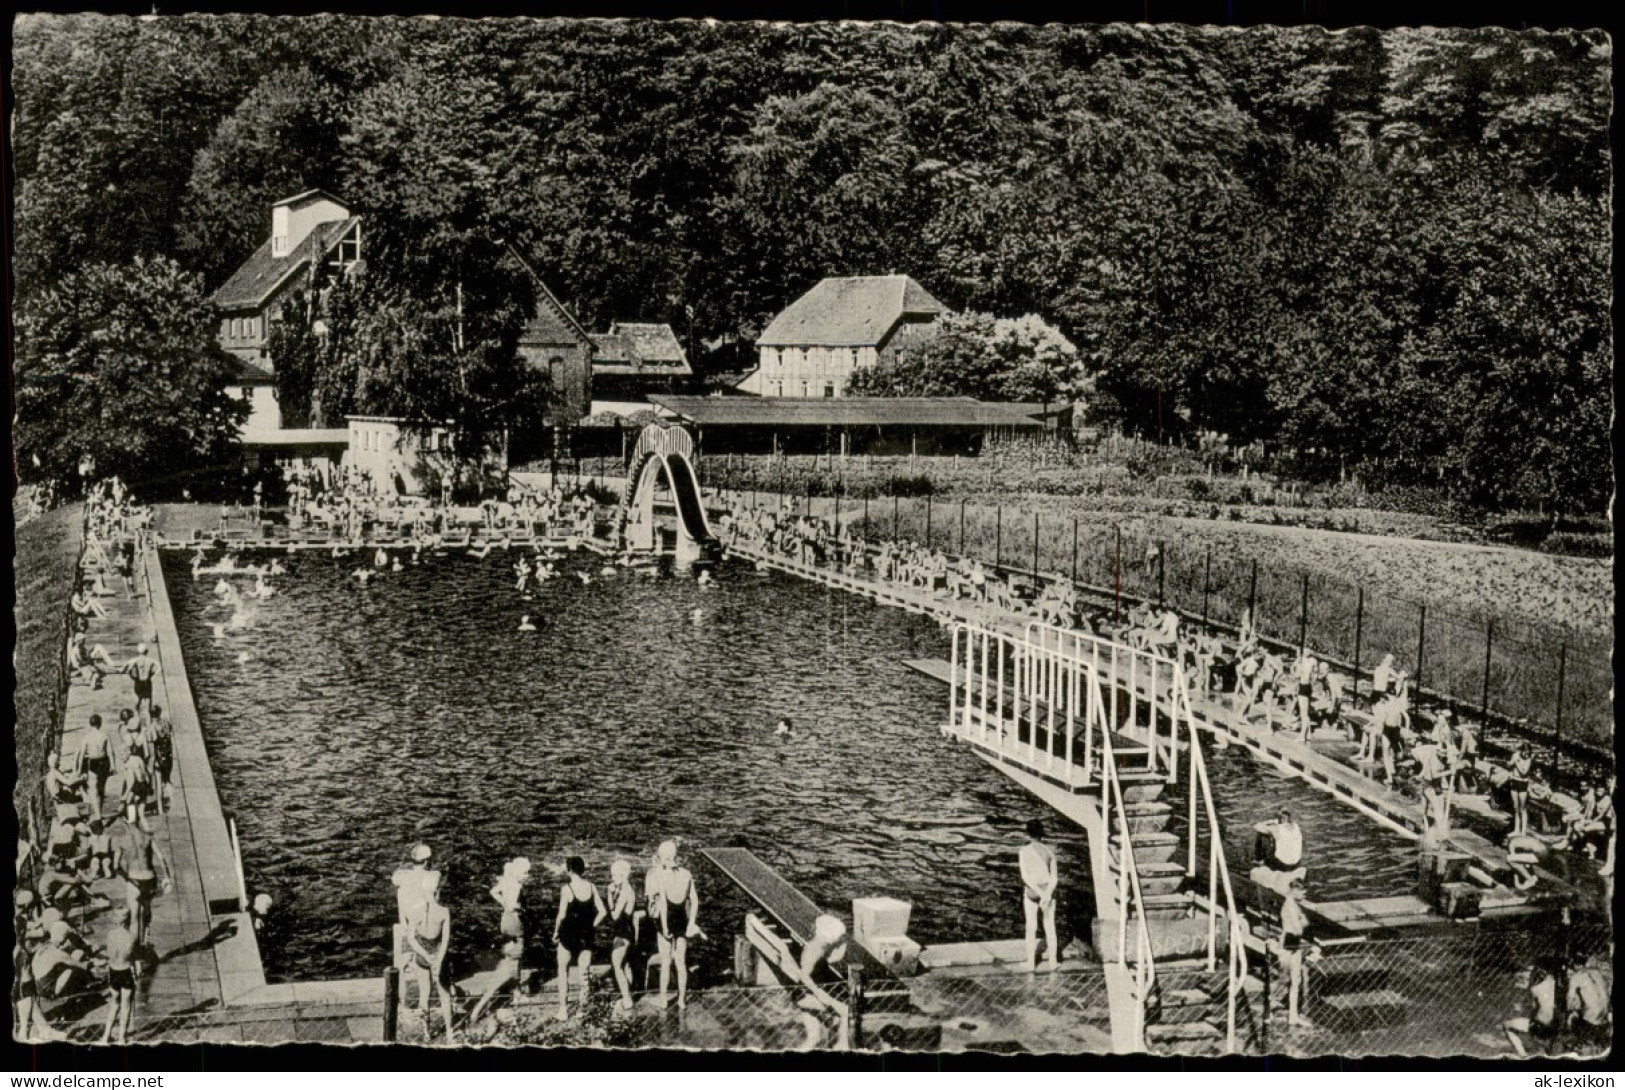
x,y
345,722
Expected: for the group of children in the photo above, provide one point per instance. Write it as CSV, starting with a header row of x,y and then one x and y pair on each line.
x,y
665,916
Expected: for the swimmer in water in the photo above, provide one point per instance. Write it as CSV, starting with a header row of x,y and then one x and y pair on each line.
x,y
482,552
704,578
586,580
380,559
697,615
395,565
277,568
262,589
525,624
785,729
363,575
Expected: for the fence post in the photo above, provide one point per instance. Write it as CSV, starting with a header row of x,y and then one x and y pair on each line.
x,y
840,486
854,1007
1303,616
809,497
1074,548
1489,642
1035,551
1162,568
1207,583
894,516
998,537
1562,671
1359,630
1117,574
928,521
392,996
866,517
1252,596
961,527
1421,644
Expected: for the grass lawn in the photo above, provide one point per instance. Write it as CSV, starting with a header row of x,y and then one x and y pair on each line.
x,y
47,556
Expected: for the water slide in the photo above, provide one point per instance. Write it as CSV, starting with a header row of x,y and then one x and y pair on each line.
x,y
685,490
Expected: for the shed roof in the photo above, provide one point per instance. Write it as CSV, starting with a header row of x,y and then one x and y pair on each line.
x,y
850,311
258,278
795,412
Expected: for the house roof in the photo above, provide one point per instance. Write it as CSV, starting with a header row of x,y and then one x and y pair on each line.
x,y
795,412
553,323
297,437
849,311
638,348
259,278
310,194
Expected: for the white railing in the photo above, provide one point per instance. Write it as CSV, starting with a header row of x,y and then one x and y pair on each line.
x,y
1201,788
1129,896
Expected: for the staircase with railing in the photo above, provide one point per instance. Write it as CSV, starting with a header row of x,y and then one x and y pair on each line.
x,y
1097,729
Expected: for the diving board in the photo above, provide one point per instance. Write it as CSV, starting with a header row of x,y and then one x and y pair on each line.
x,y
790,908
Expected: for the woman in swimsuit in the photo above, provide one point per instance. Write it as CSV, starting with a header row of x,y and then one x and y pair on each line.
x,y
677,911
161,736
1523,764
623,926
1541,1024
581,910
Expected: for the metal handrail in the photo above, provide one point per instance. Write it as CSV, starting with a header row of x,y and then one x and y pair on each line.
x,y
1128,885
1218,866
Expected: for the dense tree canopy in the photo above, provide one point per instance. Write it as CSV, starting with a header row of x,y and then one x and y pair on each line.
x,y
1386,250
978,355
117,365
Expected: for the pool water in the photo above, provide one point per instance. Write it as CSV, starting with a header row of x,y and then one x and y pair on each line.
x,y
345,722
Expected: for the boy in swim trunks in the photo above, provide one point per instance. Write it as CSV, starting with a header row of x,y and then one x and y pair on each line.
x,y
120,976
96,759
1039,878
428,934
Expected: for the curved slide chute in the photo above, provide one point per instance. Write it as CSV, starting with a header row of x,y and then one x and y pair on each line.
x,y
669,452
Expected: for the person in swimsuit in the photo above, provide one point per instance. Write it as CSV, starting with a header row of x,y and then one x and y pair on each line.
x,y
84,604
413,883
1386,718
1523,764
1294,926
60,971
141,669
428,937
1540,1022
1039,877
506,893
99,846
120,976
623,927
581,910
64,789
96,760
1591,985
1382,678
142,864
1303,679
161,736
675,905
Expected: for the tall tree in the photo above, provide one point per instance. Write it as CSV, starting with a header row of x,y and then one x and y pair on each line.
x,y
118,363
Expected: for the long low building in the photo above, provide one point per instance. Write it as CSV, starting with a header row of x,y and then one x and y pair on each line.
x,y
845,425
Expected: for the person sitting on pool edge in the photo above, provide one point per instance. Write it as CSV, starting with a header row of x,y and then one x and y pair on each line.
x,y
1278,852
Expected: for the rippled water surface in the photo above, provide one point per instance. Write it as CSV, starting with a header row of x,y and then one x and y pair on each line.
x,y
345,722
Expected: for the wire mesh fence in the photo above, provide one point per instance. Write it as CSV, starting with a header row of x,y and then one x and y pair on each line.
x,y
1478,992
1548,685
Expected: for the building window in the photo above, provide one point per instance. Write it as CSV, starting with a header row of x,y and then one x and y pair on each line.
x,y
829,389
778,389
804,389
